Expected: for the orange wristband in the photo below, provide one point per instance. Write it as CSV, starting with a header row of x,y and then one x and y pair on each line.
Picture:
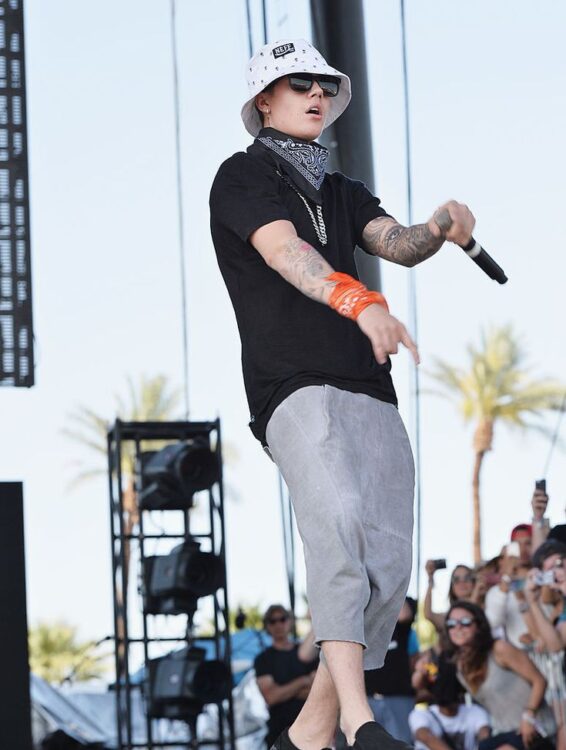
x,y
349,297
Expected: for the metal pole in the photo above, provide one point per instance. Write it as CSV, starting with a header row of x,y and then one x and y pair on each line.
x,y
226,612
113,541
339,33
124,582
413,317
140,539
249,25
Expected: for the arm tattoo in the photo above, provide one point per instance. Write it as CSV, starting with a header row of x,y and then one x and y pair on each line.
x,y
404,245
306,269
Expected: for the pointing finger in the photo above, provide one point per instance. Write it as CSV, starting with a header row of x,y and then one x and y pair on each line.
x,y
410,344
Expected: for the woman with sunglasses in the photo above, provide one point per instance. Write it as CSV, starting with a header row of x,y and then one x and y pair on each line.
x,y
463,586
501,678
315,356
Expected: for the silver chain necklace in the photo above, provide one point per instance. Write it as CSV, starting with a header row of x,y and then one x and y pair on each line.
x,y
318,222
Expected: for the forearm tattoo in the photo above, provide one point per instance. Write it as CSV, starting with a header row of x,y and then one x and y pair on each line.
x,y
406,246
306,269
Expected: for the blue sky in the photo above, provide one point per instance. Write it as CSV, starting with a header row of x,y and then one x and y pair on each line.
x,y
488,122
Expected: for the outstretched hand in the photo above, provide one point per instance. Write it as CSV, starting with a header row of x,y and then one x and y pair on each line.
x,y
385,333
539,503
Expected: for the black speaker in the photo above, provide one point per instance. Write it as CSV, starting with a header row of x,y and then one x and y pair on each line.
x,y
15,713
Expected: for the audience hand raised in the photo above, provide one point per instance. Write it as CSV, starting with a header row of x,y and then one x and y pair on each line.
x,y
539,504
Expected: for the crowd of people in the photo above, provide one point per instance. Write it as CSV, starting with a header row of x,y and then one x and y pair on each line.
x,y
495,676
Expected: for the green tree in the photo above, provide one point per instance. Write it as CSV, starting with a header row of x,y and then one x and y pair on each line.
x,y
253,613
496,386
56,654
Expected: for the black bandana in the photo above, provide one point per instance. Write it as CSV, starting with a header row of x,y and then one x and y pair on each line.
x,y
303,162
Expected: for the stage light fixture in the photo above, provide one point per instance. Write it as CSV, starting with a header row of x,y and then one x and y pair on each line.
x,y
181,683
175,582
172,475
182,602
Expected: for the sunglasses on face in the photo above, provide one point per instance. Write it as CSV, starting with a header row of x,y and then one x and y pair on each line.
x,y
463,579
463,622
304,81
276,620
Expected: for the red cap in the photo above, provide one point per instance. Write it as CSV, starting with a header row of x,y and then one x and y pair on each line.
x,y
521,527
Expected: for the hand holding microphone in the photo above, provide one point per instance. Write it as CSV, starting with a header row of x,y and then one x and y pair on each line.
x,y
458,233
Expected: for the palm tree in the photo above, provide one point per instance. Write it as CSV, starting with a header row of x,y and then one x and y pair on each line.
x,y
153,400
56,655
496,386
253,614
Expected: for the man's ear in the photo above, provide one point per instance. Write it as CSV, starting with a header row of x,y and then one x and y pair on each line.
x,y
262,102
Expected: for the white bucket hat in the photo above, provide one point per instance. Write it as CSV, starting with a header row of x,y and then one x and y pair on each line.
x,y
282,58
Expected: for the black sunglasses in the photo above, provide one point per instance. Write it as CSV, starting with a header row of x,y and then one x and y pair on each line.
x,y
275,620
303,82
464,622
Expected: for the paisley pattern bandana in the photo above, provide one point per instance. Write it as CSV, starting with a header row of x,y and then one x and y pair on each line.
x,y
304,162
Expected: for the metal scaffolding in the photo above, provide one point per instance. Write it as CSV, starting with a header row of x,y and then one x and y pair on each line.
x,y
132,539
16,330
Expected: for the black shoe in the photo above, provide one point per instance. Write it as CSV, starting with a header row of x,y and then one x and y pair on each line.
x,y
283,742
372,736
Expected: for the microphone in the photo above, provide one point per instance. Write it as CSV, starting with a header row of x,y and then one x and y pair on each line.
x,y
484,260
474,250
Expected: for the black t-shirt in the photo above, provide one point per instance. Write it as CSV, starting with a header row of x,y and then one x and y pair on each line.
x,y
394,677
288,340
283,666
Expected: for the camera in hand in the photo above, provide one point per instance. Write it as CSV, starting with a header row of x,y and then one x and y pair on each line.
x,y
439,564
517,584
544,577
540,484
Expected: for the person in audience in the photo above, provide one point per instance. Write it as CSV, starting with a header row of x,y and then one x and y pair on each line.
x,y
501,678
463,586
390,694
503,601
285,671
541,524
550,557
543,609
551,626
446,724
523,535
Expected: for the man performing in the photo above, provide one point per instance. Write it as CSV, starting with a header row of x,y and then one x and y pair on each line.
x,y
315,356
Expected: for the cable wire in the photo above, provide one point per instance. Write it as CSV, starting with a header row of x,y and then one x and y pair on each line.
x,y
413,322
285,503
554,437
180,212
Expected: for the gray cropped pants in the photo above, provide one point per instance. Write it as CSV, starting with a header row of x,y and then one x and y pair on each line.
x,y
348,464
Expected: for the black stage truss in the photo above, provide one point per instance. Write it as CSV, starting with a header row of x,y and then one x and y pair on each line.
x,y
129,443
16,331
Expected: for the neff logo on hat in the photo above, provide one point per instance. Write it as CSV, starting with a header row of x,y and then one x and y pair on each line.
x,y
283,49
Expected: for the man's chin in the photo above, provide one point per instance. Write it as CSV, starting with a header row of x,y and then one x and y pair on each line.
x,y
309,133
